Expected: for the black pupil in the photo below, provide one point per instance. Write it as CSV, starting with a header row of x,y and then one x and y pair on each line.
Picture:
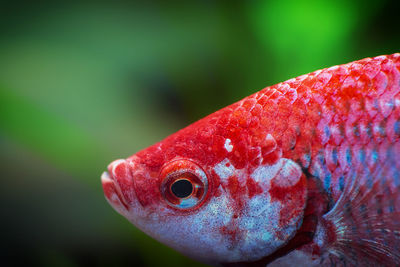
x,y
182,188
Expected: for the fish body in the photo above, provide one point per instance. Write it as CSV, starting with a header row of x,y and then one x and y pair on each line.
x,y
304,172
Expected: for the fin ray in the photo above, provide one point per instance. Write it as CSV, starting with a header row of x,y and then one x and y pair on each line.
x,y
366,222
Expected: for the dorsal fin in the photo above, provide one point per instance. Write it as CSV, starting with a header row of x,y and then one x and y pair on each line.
x,y
365,221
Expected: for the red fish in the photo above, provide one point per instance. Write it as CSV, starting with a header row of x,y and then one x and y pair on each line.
x,y
305,172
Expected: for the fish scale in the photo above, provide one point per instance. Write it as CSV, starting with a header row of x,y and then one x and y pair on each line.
x,y
338,128
306,171
349,118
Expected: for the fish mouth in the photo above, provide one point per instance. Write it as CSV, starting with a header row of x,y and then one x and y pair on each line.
x,y
105,178
112,192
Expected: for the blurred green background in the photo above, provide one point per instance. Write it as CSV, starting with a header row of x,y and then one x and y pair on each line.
x,y
84,83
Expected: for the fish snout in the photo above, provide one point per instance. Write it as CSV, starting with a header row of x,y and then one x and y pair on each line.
x,y
118,184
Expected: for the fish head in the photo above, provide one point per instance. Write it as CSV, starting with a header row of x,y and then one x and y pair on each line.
x,y
200,192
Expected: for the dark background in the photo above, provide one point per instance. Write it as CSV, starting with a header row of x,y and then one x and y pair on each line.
x,y
84,83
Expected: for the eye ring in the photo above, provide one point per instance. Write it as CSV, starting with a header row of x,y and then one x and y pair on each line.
x,y
184,184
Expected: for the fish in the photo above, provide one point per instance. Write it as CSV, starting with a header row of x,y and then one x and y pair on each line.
x,y
302,173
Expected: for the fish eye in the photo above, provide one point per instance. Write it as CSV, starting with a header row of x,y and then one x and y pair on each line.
x,y
183,184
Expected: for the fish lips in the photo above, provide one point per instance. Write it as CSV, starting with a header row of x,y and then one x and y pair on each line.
x,y
118,185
